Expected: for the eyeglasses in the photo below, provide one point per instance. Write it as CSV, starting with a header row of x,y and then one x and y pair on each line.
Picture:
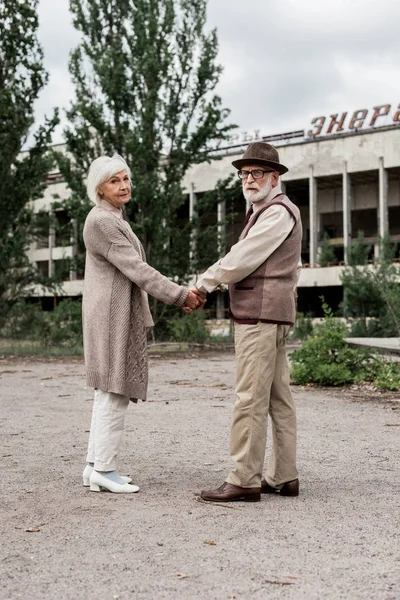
x,y
256,174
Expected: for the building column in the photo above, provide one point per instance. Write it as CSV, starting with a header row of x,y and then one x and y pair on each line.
x,y
74,243
52,242
192,213
314,221
383,220
221,215
347,201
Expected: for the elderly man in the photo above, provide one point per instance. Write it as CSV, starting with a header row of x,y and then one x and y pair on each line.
x,y
262,271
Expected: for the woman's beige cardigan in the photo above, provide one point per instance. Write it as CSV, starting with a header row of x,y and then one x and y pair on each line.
x,y
115,306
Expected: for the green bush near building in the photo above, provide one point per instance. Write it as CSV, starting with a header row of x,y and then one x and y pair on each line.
x,y
371,292
30,330
28,325
325,359
303,328
188,327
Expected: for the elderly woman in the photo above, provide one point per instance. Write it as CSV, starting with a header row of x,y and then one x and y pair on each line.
x,y
115,316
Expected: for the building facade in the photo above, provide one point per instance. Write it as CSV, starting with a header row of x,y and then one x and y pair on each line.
x,y
344,179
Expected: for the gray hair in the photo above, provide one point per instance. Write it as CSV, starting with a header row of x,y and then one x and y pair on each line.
x,y
101,170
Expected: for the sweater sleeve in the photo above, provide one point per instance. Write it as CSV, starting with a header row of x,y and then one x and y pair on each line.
x,y
111,242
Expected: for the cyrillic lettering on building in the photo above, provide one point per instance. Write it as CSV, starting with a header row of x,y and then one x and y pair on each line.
x,y
358,118
335,121
396,118
379,111
319,122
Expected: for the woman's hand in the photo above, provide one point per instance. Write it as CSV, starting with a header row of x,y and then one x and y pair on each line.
x,y
194,301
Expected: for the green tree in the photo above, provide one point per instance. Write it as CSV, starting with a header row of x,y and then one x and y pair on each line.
x,y
326,252
210,238
145,74
371,291
359,251
22,173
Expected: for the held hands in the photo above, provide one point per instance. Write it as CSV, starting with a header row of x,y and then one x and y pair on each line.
x,y
195,300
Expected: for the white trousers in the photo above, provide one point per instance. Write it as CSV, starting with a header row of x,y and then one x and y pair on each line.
x,y
106,429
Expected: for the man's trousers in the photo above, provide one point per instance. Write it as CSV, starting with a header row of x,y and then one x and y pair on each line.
x,y
262,388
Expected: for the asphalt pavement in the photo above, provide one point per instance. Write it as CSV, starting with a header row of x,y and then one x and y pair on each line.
x,y
340,539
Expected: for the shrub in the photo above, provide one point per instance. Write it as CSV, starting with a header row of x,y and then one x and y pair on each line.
x,y
303,328
188,327
63,325
326,359
372,292
387,375
60,327
363,328
24,321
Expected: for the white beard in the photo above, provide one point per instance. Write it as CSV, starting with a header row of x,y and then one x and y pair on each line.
x,y
262,193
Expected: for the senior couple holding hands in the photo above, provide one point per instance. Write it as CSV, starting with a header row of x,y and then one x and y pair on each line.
x,y
261,271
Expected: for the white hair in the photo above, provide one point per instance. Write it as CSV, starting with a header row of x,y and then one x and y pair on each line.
x,y
101,170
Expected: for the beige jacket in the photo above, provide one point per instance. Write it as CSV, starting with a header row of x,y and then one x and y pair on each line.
x,y
115,305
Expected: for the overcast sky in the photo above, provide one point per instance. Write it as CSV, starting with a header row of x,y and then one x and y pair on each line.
x,y
285,61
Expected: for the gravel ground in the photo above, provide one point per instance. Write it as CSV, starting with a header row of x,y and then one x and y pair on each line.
x,y
339,539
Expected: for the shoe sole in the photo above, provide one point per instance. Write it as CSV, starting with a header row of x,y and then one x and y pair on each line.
x,y
86,482
99,488
251,498
287,493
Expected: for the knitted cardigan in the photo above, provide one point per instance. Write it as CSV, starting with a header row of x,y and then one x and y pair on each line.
x,y
115,305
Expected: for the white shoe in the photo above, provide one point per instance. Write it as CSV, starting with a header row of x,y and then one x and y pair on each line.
x,y
88,470
97,481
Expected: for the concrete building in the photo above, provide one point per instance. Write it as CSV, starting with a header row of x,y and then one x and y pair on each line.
x,y
344,179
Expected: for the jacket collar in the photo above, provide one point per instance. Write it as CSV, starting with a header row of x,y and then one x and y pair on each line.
x,y
107,206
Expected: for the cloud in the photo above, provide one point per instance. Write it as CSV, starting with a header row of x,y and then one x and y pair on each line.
x,y
285,61
57,37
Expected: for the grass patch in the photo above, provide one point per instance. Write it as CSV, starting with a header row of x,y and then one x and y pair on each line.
x,y
35,348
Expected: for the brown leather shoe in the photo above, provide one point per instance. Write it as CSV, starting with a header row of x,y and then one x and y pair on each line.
x,y
290,488
228,492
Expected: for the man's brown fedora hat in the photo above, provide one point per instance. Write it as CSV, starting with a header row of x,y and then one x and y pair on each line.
x,y
263,154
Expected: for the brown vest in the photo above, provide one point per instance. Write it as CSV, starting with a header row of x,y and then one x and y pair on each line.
x,y
268,294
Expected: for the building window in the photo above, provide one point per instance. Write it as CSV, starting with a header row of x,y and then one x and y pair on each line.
x,y
62,228
43,267
42,230
332,224
394,220
62,268
364,220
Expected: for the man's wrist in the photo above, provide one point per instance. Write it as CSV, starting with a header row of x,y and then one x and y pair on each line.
x,y
201,293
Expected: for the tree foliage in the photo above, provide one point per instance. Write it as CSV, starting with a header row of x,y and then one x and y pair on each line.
x,y
372,291
359,251
326,253
210,239
22,174
145,74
